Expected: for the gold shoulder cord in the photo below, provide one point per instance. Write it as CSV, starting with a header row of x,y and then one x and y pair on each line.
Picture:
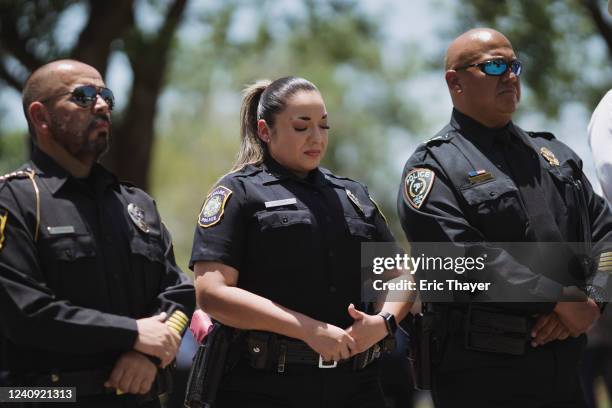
x,y
31,174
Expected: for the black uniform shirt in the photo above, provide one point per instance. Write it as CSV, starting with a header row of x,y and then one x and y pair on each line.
x,y
74,278
536,192
293,241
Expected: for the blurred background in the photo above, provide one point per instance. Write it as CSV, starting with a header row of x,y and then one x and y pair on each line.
x,y
177,68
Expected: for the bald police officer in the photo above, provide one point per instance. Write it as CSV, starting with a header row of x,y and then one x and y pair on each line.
x,y
90,293
485,183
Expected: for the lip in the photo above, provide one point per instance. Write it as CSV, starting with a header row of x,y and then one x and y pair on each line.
x,y
313,153
101,124
509,90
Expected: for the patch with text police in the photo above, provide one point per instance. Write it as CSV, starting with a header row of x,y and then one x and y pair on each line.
x,y
212,210
3,219
418,185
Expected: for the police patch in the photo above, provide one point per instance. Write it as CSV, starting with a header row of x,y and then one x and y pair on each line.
x,y
417,186
212,210
3,219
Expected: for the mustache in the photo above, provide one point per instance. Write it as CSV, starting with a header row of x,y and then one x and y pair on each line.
x,y
100,119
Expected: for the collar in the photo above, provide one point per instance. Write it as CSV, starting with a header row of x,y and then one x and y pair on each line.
x,y
478,133
55,176
273,171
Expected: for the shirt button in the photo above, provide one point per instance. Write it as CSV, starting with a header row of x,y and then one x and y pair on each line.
x,y
332,289
285,220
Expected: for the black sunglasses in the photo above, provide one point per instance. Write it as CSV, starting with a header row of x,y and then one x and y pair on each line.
x,y
85,96
497,67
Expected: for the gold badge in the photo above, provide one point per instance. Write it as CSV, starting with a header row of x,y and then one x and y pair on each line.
x,y
212,210
138,217
549,156
3,219
417,186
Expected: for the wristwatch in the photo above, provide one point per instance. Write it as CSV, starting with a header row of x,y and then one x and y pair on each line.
x,y
389,322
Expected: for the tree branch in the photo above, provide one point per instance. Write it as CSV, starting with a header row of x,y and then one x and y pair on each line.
x,y
12,41
107,21
10,79
604,28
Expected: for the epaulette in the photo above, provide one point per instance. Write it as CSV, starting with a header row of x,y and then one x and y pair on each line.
x,y
545,135
328,173
440,138
127,184
16,174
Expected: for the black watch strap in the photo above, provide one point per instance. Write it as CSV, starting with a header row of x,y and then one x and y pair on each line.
x,y
389,322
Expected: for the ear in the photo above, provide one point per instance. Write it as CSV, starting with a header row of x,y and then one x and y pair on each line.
x,y
39,117
453,81
263,131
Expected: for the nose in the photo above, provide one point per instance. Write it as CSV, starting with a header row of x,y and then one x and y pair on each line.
x,y
101,106
509,76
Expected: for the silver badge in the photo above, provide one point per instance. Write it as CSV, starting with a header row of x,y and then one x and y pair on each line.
x,y
355,200
138,216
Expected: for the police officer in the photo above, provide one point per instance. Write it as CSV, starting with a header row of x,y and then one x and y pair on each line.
x,y
485,183
90,293
277,253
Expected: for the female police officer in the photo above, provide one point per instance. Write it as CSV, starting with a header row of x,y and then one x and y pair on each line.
x,y
277,252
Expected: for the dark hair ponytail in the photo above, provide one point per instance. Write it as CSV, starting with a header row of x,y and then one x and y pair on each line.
x,y
263,100
251,146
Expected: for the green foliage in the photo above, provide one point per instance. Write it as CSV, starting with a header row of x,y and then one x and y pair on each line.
x,y
333,44
13,151
564,52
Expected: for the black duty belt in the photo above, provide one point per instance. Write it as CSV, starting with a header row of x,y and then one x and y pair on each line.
x,y
267,350
489,330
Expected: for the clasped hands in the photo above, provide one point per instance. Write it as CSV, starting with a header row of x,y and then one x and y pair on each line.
x,y
566,319
335,344
134,372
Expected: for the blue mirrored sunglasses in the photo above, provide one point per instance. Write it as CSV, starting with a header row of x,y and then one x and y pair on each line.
x,y
497,67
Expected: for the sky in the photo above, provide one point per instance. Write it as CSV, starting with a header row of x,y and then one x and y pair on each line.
x,y
406,24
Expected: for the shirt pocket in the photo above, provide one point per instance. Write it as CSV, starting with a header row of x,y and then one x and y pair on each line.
x,y
69,264
149,247
283,240
495,207
568,181
147,268
360,230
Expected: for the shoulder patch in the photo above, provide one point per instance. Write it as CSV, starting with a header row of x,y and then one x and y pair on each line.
x,y
3,219
417,186
212,210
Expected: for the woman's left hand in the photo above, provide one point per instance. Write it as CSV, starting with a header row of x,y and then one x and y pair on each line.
x,y
367,329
